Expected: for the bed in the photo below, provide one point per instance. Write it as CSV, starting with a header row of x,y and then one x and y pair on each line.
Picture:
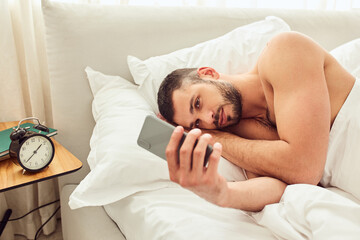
x,y
105,65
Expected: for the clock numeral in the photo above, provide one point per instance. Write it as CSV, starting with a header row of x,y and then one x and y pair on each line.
x,y
23,148
27,143
33,140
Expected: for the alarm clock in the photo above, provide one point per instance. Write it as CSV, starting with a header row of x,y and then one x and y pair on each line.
x,y
32,151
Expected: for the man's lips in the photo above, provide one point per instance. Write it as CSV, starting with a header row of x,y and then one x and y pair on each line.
x,y
222,117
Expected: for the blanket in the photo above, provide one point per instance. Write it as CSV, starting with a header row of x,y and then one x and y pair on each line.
x,y
342,168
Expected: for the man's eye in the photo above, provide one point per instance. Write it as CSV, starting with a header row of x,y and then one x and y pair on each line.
x,y
197,103
197,123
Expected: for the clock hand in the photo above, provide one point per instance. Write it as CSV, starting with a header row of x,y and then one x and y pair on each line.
x,y
34,152
30,157
38,148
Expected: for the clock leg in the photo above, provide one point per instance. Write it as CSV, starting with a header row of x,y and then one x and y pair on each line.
x,y
5,220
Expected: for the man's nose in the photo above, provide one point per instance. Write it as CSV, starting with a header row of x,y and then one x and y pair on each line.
x,y
207,117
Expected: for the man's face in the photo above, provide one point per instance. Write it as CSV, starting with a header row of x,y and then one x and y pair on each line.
x,y
206,105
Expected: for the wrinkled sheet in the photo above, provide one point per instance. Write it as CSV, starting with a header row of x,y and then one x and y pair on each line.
x,y
304,212
342,168
311,212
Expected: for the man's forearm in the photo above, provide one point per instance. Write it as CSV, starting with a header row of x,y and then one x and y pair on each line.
x,y
254,194
268,158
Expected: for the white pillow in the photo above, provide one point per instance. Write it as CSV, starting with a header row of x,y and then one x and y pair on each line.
x,y
119,167
348,55
234,52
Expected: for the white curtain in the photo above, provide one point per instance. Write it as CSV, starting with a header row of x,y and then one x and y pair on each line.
x,y
25,92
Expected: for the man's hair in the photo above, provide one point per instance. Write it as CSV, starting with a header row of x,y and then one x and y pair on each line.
x,y
172,82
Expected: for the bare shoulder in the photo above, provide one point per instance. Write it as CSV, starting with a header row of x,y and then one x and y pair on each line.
x,y
294,40
287,52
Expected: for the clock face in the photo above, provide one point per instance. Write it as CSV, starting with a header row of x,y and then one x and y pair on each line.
x,y
36,152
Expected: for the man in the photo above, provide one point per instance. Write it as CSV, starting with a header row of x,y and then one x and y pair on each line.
x,y
276,118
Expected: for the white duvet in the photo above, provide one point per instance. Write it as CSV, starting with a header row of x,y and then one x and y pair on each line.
x,y
304,212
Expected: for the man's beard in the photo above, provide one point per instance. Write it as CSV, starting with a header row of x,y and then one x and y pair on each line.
x,y
231,96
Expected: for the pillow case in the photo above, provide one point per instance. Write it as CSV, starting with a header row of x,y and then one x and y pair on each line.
x,y
234,52
119,167
348,55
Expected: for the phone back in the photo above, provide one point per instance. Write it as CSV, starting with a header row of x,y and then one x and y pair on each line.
x,y
155,135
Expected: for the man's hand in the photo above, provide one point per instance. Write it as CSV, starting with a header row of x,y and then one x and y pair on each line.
x,y
186,166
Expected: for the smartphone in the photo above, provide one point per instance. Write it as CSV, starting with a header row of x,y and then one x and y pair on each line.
x,y
155,136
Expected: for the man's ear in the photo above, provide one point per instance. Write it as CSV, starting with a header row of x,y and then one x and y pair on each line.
x,y
164,119
206,72
160,116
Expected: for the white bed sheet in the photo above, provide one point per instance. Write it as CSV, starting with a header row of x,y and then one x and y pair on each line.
x,y
178,214
311,212
304,212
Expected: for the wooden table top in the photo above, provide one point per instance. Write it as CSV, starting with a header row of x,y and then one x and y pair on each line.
x,y
11,175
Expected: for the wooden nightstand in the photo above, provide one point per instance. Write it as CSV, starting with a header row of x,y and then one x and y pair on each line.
x,y
64,162
11,175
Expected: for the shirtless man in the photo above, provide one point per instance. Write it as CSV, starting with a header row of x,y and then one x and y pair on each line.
x,y
277,118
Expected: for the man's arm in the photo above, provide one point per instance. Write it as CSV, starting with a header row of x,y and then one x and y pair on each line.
x,y
252,155
293,66
186,168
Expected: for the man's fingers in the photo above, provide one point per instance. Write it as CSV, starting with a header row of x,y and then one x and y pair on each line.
x,y
186,162
214,159
186,150
199,153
